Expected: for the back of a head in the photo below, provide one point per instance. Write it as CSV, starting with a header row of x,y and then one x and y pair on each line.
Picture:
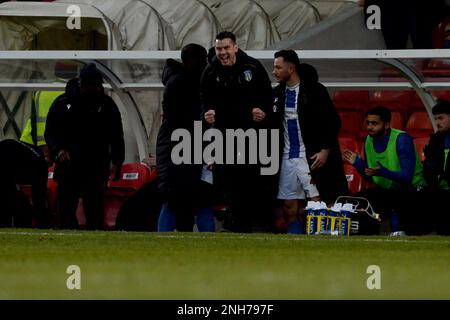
x,y
383,112
194,55
90,76
441,107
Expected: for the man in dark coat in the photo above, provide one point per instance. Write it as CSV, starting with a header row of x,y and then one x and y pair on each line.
x,y
20,163
436,171
84,133
180,185
305,114
236,94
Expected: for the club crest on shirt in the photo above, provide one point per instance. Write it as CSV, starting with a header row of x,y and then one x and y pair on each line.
x,y
248,75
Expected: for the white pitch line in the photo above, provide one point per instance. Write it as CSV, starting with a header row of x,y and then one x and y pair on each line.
x,y
39,234
312,238
175,236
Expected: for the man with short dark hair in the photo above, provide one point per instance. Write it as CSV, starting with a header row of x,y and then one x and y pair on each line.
x,y
84,133
436,168
311,165
236,93
392,163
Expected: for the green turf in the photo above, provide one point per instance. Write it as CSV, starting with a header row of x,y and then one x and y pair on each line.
x,y
119,265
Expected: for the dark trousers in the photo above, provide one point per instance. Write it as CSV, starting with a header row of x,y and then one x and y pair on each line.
x,y
249,196
405,203
76,184
16,211
185,200
434,212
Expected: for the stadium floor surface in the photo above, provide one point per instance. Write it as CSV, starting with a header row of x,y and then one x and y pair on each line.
x,y
131,265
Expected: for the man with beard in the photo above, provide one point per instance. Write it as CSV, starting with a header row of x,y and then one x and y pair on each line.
x,y
311,165
392,164
84,133
436,169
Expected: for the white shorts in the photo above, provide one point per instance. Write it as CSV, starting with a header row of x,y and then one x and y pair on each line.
x,y
295,180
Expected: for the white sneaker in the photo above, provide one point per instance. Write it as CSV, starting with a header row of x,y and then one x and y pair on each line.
x,y
397,234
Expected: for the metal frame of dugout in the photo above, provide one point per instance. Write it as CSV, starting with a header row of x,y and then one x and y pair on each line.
x,y
338,69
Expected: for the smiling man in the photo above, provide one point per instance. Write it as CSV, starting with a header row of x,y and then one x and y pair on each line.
x,y
392,164
236,93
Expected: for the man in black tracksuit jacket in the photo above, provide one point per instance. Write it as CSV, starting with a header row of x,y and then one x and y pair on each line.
x,y
84,133
236,94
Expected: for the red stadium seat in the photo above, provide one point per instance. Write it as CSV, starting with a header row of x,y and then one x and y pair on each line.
x,y
134,175
437,68
397,120
349,143
420,144
391,72
351,95
51,190
419,120
348,105
417,104
391,99
26,190
354,180
419,125
352,121
441,95
351,99
80,215
397,102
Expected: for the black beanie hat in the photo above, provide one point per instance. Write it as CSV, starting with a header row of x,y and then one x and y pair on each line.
x,y
90,75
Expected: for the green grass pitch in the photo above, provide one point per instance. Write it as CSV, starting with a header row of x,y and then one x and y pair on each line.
x,y
126,265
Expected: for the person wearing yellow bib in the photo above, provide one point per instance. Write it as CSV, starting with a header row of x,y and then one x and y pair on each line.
x,y
436,167
392,164
33,132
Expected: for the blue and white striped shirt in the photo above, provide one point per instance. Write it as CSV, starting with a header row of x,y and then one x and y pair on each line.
x,y
293,142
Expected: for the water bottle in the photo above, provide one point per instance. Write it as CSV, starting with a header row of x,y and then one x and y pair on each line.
x,y
335,219
346,213
322,213
311,227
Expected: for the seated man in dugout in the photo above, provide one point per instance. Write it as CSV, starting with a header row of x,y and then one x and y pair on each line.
x,y
392,164
436,170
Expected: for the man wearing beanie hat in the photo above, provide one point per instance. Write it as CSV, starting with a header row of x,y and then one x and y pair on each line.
x,y
84,133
